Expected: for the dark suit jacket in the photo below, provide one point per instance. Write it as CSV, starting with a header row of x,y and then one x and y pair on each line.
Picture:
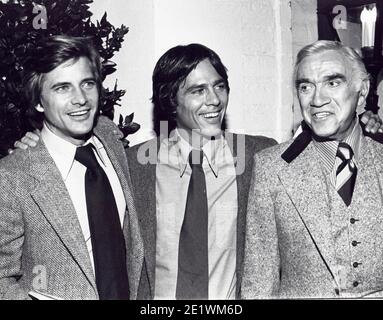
x,y
40,236
144,182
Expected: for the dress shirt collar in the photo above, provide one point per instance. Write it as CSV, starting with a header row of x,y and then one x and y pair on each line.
x,y
63,151
213,151
327,149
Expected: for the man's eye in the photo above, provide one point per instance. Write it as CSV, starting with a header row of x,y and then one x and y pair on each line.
x,y
62,89
89,84
305,87
334,83
221,86
198,91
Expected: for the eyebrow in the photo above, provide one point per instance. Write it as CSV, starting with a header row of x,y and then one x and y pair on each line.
x,y
59,84
65,83
326,78
301,80
335,76
204,85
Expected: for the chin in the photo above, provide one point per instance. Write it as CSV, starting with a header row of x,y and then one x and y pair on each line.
x,y
324,129
211,133
81,132
324,133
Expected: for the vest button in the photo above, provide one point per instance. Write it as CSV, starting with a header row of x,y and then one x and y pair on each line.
x,y
337,291
352,220
355,264
354,243
355,284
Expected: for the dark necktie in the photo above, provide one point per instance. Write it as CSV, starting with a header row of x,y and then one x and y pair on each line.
x,y
345,173
193,263
105,229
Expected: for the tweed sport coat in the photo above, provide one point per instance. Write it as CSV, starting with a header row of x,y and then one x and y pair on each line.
x,y
41,243
144,187
289,251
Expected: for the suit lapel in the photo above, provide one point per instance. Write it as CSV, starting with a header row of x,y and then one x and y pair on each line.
x,y
303,182
55,204
145,182
134,245
241,160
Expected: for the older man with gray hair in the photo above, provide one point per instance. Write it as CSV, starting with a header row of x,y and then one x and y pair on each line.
x,y
315,211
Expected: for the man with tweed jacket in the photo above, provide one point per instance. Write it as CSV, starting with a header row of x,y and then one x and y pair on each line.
x,y
315,212
47,243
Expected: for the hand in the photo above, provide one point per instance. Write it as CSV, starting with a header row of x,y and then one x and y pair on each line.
x,y
372,121
29,140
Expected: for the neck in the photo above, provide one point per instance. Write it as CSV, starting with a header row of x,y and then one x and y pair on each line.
x,y
340,136
194,138
76,140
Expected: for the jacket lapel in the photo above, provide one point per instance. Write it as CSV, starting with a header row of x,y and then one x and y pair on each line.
x,y
243,167
134,244
55,204
145,183
304,185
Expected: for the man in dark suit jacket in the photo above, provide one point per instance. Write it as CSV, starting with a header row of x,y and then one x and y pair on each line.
x,y
48,244
190,94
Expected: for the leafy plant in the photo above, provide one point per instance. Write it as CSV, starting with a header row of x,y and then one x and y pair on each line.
x,y
22,24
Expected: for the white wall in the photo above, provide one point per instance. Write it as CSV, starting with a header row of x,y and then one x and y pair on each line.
x,y
135,60
304,31
252,37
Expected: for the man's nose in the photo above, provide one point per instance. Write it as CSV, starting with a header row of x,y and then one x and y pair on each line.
x,y
212,97
319,98
79,97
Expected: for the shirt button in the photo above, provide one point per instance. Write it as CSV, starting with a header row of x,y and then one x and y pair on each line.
x,y
337,291
352,220
355,243
355,264
355,284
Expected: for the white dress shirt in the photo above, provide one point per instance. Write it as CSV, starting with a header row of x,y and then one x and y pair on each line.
x,y
73,174
172,182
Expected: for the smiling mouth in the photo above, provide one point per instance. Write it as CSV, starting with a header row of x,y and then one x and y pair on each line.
x,y
211,115
321,115
79,113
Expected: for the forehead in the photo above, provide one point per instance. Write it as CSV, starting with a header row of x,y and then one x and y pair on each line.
x,y
203,73
324,64
71,70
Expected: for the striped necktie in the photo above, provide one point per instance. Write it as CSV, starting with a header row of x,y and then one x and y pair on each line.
x,y
345,173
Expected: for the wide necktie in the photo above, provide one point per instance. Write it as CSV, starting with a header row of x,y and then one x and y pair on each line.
x,y
193,263
345,173
108,243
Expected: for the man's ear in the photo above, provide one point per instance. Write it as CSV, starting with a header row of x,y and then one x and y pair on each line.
x,y
363,91
39,107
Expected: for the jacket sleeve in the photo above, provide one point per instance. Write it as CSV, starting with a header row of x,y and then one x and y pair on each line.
x,y
261,258
11,242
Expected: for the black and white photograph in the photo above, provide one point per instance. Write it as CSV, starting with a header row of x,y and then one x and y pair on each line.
x,y
196,157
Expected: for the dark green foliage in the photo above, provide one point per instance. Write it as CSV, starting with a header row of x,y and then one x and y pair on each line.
x,y
21,26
